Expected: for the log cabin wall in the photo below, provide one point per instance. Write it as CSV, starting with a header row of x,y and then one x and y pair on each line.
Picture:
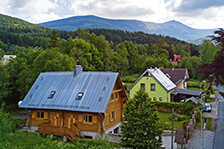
x,y
113,114
82,120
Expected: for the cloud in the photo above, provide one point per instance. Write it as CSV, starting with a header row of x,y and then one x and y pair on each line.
x,y
113,9
196,13
192,5
31,10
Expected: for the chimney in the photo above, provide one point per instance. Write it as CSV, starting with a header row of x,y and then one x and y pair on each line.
x,y
78,69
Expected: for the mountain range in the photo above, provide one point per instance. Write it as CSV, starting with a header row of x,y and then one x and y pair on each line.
x,y
171,28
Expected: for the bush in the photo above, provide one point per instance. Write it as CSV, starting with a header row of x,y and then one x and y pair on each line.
x,y
178,117
181,108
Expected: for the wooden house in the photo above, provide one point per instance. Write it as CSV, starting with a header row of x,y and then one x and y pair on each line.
x,y
75,103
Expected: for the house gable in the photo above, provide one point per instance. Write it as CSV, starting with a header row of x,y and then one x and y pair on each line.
x,y
154,78
114,111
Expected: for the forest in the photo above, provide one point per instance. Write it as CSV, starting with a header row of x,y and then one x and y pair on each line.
x,y
40,49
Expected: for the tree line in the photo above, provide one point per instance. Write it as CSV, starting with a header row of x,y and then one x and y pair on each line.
x,y
94,53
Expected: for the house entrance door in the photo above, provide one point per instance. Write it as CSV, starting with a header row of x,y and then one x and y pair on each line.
x,y
71,120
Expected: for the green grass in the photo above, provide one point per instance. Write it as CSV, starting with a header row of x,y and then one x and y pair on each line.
x,y
130,78
25,140
164,118
194,88
127,84
209,123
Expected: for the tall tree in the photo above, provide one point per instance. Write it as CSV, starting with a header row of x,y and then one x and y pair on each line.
x,y
141,127
191,64
54,39
215,70
208,51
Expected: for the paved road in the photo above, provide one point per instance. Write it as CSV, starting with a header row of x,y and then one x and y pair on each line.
x,y
219,133
195,140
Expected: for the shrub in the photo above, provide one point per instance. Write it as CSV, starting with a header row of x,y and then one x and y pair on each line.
x,y
181,108
178,117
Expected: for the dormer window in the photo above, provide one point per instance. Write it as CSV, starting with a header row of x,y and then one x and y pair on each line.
x,y
79,96
51,94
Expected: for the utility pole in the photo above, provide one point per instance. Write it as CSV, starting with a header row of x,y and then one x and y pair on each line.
x,y
202,140
172,128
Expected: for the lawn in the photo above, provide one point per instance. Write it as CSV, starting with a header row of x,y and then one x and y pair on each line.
x,y
130,78
208,123
25,140
164,118
194,88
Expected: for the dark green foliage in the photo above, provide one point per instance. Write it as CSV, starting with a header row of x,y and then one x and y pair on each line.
x,y
141,127
119,36
191,63
177,117
6,125
215,70
182,108
25,140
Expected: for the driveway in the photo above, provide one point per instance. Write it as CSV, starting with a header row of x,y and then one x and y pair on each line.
x,y
213,113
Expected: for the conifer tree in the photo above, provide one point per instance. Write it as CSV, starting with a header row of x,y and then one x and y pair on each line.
x,y
141,127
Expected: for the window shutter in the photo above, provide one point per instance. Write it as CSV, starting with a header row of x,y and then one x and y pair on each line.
x,y
45,115
80,118
33,114
94,119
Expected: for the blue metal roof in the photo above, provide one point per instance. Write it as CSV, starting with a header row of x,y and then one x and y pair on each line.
x,y
193,99
186,92
96,86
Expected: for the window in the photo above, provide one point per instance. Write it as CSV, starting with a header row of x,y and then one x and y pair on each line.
x,y
40,114
79,96
51,94
142,85
112,116
160,98
88,118
116,95
153,87
112,97
154,98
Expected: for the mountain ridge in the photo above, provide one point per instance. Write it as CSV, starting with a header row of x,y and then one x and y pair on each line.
x,y
171,28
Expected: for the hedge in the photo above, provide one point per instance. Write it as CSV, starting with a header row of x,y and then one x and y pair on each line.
x,y
181,108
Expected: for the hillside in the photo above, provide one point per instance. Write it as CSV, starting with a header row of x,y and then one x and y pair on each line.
x,y
171,28
15,25
14,31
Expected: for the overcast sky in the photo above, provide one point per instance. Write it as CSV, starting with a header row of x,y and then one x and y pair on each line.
x,y
195,13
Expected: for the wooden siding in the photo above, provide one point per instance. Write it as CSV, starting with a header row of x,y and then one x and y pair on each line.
x,y
115,105
66,119
180,84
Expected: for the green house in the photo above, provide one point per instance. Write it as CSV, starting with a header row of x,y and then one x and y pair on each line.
x,y
155,83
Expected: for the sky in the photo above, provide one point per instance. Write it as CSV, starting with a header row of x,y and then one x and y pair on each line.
x,y
201,14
